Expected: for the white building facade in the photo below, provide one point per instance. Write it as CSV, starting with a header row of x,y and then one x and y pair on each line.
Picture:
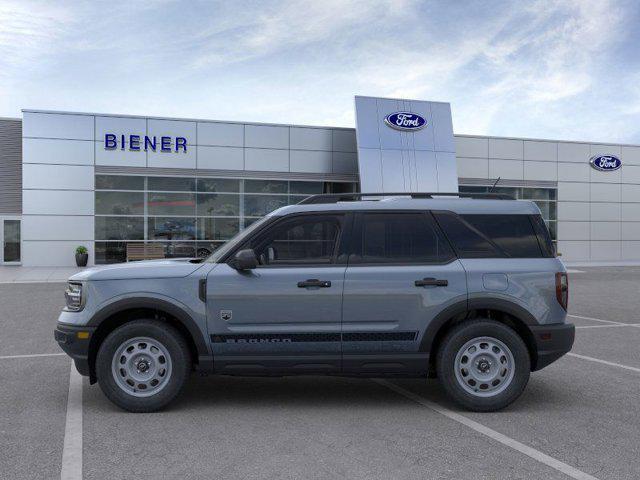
x,y
107,181
597,213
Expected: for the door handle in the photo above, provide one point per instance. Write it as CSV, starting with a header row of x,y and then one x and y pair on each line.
x,y
314,282
431,282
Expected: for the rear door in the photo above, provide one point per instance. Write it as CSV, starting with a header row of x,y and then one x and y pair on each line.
x,y
402,272
283,316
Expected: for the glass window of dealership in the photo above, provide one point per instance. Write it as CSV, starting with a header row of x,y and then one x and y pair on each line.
x,y
63,187
187,216
191,217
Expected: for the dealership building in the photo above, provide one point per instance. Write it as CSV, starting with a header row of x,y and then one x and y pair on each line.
x,y
181,187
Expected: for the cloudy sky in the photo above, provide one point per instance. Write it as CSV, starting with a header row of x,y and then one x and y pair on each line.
x,y
547,69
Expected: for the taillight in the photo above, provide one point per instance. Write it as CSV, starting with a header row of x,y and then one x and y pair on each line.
x,y
562,289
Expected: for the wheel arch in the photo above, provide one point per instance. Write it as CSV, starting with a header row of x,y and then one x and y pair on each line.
x,y
503,311
126,310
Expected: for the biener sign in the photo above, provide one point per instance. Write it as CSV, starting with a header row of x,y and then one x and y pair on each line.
x,y
145,143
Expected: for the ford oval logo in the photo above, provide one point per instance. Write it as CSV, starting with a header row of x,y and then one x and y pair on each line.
x,y
405,121
605,163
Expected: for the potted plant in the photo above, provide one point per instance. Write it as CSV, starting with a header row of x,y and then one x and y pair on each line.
x,y
82,255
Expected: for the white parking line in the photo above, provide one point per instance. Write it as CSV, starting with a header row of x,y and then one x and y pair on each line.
x,y
610,326
596,319
33,355
604,362
72,449
497,436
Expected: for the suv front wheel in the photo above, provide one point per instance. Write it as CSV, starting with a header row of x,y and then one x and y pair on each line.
x,y
483,365
143,365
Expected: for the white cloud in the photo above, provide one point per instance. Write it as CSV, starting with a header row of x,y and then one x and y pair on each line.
x,y
279,26
519,68
28,30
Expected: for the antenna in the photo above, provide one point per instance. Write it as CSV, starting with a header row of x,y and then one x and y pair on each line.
x,y
494,185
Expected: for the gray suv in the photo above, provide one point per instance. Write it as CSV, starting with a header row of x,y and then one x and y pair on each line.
x,y
405,285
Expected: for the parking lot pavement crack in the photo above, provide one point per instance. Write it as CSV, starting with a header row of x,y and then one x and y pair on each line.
x,y
537,455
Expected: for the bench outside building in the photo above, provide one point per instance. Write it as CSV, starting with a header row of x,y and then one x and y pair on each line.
x,y
141,251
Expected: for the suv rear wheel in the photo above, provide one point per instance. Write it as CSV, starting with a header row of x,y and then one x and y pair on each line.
x,y
143,365
483,365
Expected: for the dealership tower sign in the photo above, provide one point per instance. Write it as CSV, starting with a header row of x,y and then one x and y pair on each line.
x,y
405,121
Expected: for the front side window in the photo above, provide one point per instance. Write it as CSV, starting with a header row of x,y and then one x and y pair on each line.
x,y
304,240
400,238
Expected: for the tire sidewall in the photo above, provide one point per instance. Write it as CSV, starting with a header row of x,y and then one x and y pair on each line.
x,y
176,348
455,340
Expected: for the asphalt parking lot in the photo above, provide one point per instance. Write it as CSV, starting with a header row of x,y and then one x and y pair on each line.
x,y
578,418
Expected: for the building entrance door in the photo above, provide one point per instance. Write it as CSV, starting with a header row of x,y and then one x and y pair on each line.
x,y
10,238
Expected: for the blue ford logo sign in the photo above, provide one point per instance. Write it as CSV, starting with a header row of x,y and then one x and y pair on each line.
x,y
605,163
405,121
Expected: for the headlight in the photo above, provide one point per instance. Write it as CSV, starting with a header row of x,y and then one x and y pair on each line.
x,y
73,296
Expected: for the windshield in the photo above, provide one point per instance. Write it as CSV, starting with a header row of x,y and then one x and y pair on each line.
x,y
237,239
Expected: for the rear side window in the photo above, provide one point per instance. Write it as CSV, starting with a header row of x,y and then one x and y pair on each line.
x,y
492,236
468,241
513,234
544,238
400,238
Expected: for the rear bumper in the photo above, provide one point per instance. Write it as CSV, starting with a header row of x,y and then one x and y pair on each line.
x,y
552,342
77,348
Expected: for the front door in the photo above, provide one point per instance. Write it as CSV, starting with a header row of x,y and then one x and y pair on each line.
x,y
284,316
10,238
402,272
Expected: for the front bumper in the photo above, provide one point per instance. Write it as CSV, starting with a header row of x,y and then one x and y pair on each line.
x,y
552,342
75,343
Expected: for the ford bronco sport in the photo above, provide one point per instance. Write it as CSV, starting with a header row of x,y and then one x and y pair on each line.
x,y
413,285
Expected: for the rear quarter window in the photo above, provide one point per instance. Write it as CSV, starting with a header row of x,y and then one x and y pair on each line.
x,y
514,234
493,236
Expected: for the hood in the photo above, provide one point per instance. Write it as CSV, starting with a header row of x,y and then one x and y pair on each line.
x,y
175,268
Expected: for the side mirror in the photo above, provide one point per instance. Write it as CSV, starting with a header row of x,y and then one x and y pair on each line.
x,y
245,260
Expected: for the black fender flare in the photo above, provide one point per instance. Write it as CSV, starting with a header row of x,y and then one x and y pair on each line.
x,y
465,306
155,304
453,310
507,306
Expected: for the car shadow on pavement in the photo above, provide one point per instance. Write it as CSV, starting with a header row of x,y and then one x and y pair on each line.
x,y
204,392
300,391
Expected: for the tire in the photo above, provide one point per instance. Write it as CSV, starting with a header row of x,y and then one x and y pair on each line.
x,y
143,365
496,362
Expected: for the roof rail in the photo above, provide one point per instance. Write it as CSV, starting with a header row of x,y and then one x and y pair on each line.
x,y
352,197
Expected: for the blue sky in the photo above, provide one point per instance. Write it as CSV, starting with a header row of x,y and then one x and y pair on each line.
x,y
545,69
